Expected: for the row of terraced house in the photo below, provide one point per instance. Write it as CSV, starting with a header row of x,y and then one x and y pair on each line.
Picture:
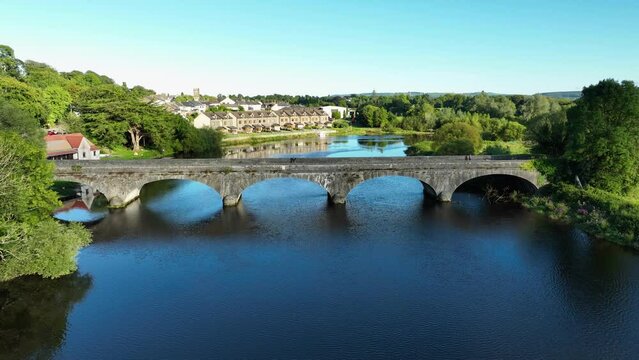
x,y
290,118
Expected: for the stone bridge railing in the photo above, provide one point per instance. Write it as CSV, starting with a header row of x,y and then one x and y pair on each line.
x,y
121,181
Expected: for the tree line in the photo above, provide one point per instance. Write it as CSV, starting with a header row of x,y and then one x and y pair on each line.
x,y
112,115
34,96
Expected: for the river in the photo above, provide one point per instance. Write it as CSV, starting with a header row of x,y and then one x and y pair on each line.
x,y
285,275
331,146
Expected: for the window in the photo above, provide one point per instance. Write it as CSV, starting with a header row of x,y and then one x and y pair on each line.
x,y
84,154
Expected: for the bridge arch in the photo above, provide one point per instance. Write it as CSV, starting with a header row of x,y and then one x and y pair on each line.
x,y
240,182
169,182
428,190
277,182
504,182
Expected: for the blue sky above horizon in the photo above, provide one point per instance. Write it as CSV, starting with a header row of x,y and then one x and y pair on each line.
x,y
332,46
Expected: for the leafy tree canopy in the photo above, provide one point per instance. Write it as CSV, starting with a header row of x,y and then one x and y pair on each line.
x,y
457,136
603,136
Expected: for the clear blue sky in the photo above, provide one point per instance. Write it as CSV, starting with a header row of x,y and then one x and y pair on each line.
x,y
324,47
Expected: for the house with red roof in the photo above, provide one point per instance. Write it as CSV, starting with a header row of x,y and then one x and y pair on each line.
x,y
70,147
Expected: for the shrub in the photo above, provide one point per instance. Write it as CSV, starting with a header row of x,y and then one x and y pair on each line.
x,y
456,147
497,149
600,213
341,124
456,137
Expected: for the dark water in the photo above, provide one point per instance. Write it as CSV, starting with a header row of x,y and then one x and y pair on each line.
x,y
332,146
286,276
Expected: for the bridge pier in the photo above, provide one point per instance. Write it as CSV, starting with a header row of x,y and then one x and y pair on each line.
x,y
445,196
231,200
120,198
337,198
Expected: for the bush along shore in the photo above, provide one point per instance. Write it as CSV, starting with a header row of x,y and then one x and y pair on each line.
x,y
600,214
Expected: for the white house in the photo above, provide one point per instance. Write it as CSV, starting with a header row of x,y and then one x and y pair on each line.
x,y
277,106
249,105
189,107
227,101
70,147
329,110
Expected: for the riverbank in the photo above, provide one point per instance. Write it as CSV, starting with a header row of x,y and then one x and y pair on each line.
x,y
598,213
128,154
425,148
358,130
258,138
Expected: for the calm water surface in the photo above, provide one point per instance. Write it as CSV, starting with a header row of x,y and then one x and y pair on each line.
x,y
332,146
287,276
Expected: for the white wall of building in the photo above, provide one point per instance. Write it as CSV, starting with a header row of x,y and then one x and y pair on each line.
x,y
329,110
201,121
85,152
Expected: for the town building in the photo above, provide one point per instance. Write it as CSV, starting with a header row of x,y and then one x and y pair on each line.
x,y
298,117
276,106
227,101
343,111
70,147
189,107
263,120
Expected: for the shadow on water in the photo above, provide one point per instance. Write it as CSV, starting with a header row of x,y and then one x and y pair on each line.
x,y
34,312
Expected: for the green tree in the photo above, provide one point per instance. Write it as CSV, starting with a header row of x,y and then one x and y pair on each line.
x,y
31,242
57,100
511,131
495,106
497,149
183,98
457,136
72,123
14,119
202,143
538,105
373,116
420,117
336,115
549,132
603,136
9,65
456,147
24,96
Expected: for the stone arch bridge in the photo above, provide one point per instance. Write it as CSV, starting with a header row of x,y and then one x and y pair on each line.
x,y
121,180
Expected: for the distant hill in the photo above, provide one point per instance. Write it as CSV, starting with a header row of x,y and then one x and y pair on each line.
x,y
416,93
571,95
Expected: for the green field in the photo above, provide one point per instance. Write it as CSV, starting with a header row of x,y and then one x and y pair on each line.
x,y
128,154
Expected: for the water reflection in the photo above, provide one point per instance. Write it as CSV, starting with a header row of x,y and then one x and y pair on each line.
x,y
285,275
34,313
335,146
87,208
173,200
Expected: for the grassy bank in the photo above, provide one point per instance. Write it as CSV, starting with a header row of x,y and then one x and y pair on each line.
x,y
257,138
598,213
424,148
358,130
128,154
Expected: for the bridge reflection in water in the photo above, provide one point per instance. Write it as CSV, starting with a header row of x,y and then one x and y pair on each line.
x,y
121,181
